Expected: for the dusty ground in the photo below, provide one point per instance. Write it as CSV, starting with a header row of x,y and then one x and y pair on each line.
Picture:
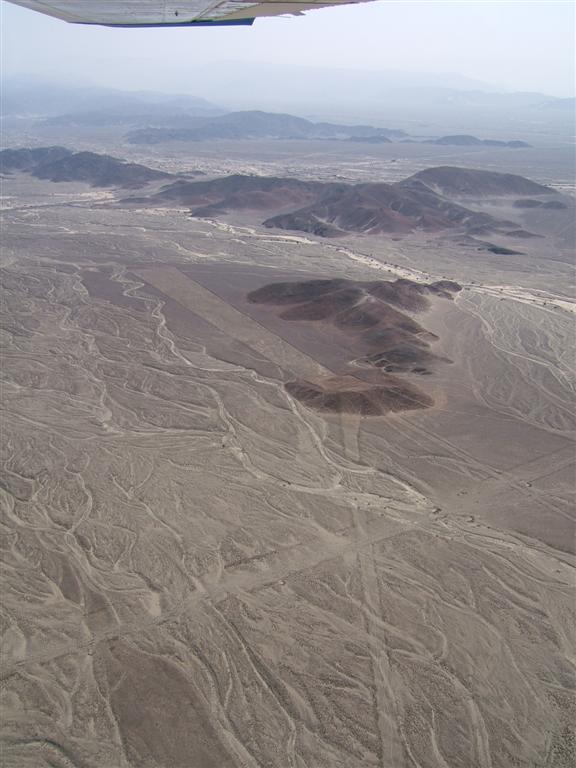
x,y
200,571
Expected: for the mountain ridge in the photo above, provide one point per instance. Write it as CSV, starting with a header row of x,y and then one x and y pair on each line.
x,y
431,200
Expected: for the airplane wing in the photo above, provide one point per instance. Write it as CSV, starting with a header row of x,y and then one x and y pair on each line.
x,y
171,13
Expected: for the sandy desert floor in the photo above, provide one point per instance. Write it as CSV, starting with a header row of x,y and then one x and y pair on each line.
x,y
200,571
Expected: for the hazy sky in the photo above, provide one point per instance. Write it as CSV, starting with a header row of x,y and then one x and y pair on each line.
x,y
518,44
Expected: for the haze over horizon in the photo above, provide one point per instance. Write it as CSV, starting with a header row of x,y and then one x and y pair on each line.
x,y
439,44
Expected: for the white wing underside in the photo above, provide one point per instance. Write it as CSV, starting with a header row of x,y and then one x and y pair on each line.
x,y
169,12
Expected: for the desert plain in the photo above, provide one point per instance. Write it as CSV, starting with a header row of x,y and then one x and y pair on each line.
x,y
275,500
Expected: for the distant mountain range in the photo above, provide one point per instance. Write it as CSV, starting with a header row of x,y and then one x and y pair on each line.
x,y
257,124
339,91
30,96
269,125
152,118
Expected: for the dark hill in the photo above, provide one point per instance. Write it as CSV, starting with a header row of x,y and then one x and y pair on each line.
x,y
99,171
33,96
60,164
468,182
240,192
29,159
